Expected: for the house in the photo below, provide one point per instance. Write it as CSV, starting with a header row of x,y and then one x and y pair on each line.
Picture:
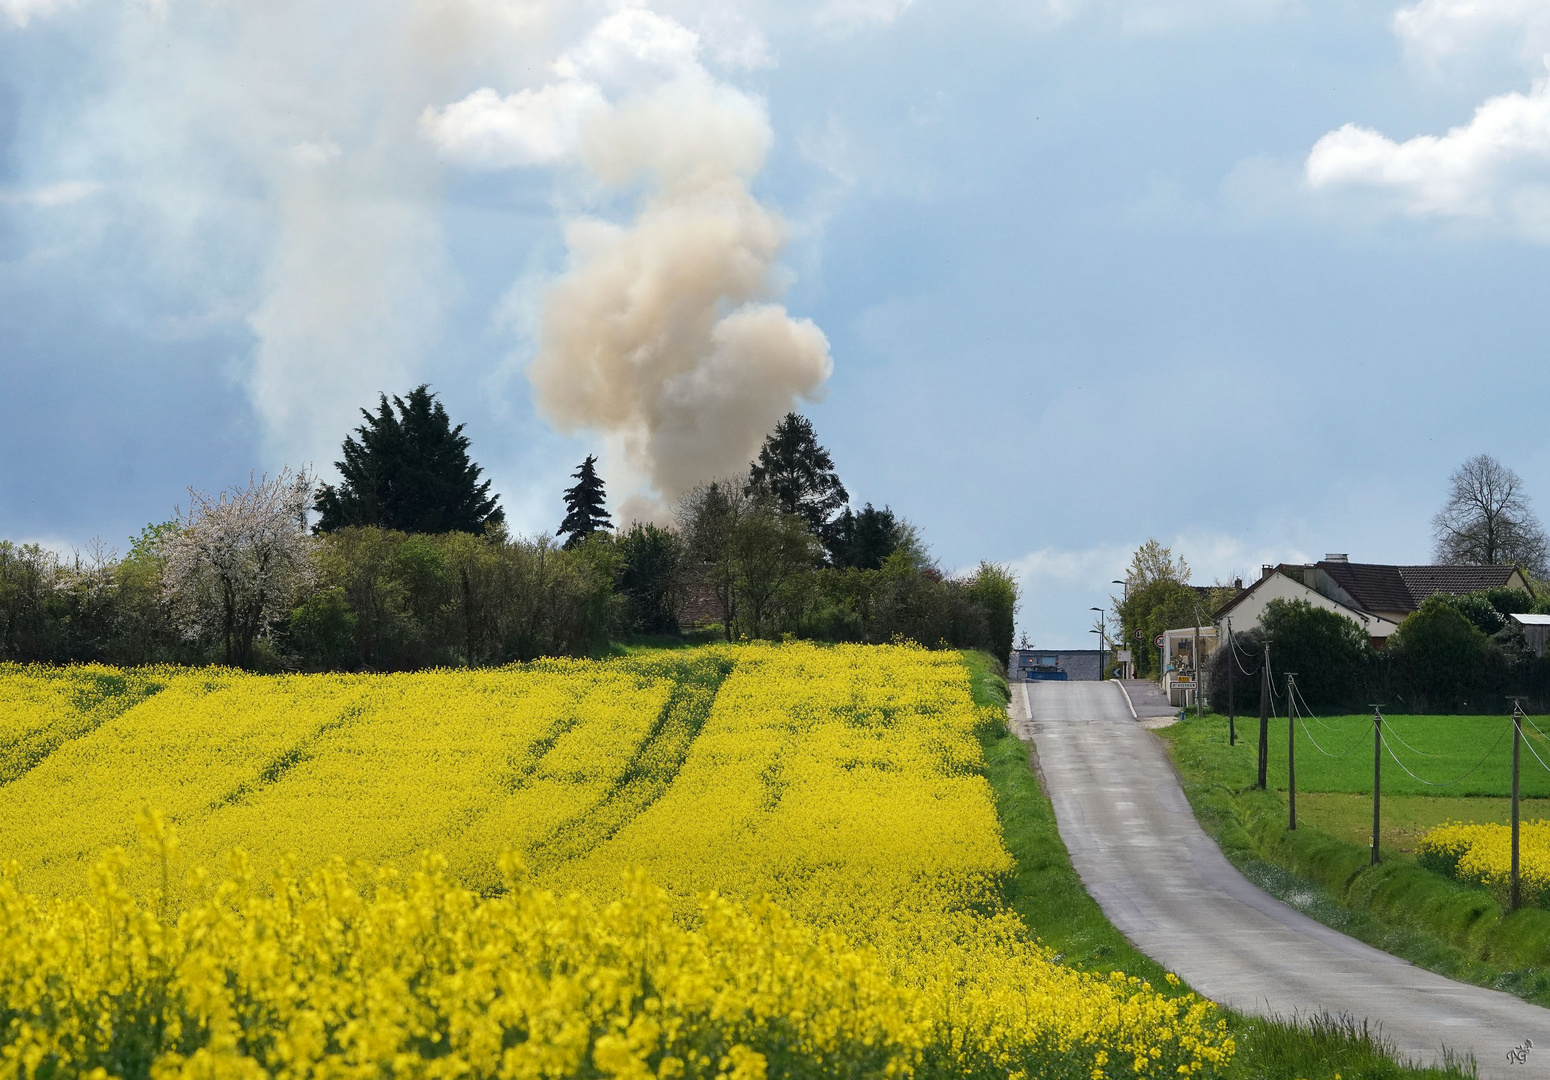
x,y
1375,596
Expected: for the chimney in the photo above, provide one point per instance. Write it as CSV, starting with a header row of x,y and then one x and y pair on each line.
x,y
1336,557
1237,583
1265,570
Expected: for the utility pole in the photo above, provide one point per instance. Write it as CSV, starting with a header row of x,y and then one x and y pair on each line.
x,y
1377,775
1291,757
1264,717
1232,662
1200,667
1514,890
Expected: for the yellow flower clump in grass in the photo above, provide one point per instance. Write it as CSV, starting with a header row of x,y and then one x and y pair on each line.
x,y
1481,854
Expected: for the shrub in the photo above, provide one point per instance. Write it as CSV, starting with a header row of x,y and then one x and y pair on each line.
x,y
1439,655
1327,651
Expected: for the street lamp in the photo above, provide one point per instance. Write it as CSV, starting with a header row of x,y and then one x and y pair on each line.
x,y
1099,632
1130,670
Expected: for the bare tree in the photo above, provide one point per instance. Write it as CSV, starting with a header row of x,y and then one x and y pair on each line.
x,y
234,565
1486,520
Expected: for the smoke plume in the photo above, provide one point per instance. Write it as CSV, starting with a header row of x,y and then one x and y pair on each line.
x,y
664,335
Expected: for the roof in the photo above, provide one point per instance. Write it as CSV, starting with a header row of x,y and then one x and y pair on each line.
x,y
1373,586
1378,587
1423,581
1530,620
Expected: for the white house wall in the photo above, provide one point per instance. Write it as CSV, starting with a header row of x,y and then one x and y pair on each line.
x,y
1248,612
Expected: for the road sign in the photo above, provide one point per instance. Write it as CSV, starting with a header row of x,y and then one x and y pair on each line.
x,y
1138,634
1158,641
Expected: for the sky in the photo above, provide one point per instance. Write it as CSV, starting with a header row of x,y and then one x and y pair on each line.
x,y
1050,278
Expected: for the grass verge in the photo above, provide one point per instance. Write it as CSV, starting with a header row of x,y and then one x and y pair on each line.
x,y
1049,896
1398,906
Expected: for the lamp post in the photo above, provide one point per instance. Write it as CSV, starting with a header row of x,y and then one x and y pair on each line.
x,y
1101,642
1126,584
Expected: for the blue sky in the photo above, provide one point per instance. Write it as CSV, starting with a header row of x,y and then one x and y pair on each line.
x,y
1050,278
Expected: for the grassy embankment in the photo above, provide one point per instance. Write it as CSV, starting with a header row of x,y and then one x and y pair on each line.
x,y
1050,898
1324,866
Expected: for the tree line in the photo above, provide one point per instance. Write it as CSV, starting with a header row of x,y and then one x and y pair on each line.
x,y
408,562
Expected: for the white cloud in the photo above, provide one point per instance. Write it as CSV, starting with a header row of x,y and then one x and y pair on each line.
x,y
633,48
1435,30
59,194
848,15
530,127
21,12
1496,167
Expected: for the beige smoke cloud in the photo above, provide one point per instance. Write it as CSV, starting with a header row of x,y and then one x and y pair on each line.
x,y
663,335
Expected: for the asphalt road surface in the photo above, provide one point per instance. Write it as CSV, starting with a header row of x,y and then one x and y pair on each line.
x,y
1167,886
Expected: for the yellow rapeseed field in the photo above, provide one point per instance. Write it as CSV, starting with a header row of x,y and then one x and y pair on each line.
x,y
1481,854
731,863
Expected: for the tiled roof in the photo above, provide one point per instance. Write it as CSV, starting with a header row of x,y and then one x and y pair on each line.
x,y
1425,580
1375,587
1402,588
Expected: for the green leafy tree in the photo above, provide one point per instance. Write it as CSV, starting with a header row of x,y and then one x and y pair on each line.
x,y
653,560
995,590
1327,651
584,509
409,471
1440,655
863,540
1163,603
798,474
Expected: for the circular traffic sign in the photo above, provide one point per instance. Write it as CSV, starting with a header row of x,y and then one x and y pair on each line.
x,y
1158,641
1138,635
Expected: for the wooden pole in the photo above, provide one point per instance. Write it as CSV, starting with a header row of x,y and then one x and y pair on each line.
x,y
1200,668
1291,758
1264,717
1514,891
1232,662
1377,775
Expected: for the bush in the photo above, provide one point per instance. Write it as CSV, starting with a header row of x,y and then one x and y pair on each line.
x,y
1245,674
1327,651
1439,655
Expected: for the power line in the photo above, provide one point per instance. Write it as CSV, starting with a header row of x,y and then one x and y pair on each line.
x,y
1447,783
1361,737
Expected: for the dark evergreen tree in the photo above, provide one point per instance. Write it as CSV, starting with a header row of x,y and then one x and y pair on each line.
x,y
584,513
798,474
862,540
410,471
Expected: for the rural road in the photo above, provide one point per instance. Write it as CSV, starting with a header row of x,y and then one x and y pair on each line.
x,y
1167,886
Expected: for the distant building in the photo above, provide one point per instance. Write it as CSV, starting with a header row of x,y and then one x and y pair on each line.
x,y
1536,628
1076,665
1376,596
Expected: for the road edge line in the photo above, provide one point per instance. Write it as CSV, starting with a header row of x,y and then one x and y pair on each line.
x,y
1128,703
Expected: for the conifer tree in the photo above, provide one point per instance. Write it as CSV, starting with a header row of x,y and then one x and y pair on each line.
x,y
410,471
798,474
584,512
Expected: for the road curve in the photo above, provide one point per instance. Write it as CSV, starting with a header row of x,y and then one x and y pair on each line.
x,y
1166,885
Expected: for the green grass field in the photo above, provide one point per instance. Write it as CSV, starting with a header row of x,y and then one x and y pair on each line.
x,y
1335,754
1348,817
